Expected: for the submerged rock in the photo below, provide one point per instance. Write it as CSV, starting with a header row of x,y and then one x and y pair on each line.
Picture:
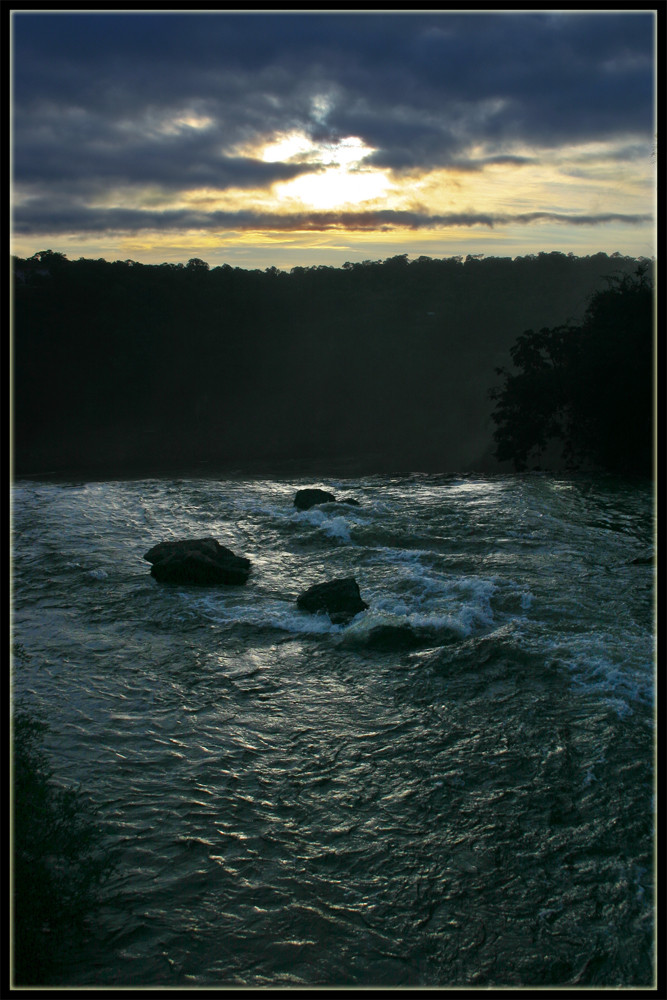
x,y
197,560
394,637
339,598
305,499
350,500
379,632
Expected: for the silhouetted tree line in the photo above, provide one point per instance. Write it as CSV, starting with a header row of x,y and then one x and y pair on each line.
x,y
137,368
584,392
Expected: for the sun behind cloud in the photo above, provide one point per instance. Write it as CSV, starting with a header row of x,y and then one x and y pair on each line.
x,y
340,179
336,187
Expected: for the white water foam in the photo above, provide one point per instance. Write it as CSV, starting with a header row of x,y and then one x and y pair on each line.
x,y
321,517
98,574
261,612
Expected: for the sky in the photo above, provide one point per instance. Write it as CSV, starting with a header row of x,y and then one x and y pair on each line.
x,y
279,139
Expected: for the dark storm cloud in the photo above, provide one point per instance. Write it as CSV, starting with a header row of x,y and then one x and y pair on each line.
x,y
94,94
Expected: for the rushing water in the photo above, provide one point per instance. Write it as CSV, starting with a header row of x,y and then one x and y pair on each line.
x,y
456,788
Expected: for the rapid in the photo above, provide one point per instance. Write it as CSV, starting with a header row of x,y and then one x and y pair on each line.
x,y
456,788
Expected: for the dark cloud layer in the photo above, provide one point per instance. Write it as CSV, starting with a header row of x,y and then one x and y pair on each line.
x,y
43,217
107,100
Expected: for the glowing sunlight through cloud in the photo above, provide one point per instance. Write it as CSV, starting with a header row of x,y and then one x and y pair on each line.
x,y
342,182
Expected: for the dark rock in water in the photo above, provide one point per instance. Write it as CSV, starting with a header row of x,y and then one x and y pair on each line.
x,y
305,499
351,501
645,560
197,560
339,598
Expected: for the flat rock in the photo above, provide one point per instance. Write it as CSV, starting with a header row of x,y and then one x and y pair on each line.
x,y
340,598
197,560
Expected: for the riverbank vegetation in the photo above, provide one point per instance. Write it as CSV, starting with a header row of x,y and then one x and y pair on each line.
x,y
58,864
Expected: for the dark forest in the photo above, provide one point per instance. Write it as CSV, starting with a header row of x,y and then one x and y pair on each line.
x,y
135,369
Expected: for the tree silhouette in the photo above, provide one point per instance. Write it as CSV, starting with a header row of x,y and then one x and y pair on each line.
x,y
587,388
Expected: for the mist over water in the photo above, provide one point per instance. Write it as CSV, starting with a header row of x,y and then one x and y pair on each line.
x,y
456,788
